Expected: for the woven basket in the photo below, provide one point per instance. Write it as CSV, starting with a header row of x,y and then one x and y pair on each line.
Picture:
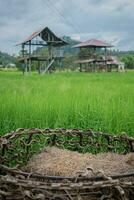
x,y
17,147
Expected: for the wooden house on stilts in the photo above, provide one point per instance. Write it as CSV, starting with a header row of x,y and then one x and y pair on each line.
x,y
96,57
42,38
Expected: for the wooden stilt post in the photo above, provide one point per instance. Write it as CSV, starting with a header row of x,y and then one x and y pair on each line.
x,y
106,59
94,66
29,63
51,57
80,67
60,63
39,68
23,50
23,64
26,67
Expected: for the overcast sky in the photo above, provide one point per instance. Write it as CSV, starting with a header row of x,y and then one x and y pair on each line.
x,y
109,20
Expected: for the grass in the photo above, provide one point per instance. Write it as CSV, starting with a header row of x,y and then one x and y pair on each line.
x,y
101,101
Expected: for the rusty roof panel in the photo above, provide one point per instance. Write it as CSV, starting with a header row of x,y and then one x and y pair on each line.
x,y
93,43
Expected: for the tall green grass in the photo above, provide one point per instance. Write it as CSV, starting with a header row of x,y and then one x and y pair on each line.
x,y
100,101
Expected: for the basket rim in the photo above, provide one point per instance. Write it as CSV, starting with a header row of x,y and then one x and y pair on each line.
x,y
57,131
16,171
88,132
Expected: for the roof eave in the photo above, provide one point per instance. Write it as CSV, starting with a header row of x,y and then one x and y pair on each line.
x,y
85,46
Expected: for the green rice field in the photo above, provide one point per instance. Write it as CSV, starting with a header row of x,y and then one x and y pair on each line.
x,y
100,101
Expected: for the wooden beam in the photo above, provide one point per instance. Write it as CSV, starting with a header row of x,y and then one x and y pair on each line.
x,y
38,44
39,68
29,63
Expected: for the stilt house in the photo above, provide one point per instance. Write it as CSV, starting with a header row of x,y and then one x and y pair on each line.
x,y
96,60
42,38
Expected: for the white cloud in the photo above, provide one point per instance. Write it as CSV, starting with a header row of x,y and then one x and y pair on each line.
x,y
110,20
76,37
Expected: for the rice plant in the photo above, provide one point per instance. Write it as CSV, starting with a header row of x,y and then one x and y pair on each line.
x,y
100,101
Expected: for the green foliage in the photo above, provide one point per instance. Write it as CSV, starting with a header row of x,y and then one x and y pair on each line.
x,y
85,52
68,49
128,60
100,101
5,59
68,62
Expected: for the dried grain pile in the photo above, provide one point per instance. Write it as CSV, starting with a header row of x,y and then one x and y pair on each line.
x,y
54,161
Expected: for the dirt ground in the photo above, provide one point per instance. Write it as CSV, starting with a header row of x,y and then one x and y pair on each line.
x,y
55,161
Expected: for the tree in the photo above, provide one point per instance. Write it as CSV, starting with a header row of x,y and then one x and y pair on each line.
x,y
128,60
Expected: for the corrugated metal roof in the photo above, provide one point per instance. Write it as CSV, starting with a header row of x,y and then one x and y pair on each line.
x,y
93,43
42,33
